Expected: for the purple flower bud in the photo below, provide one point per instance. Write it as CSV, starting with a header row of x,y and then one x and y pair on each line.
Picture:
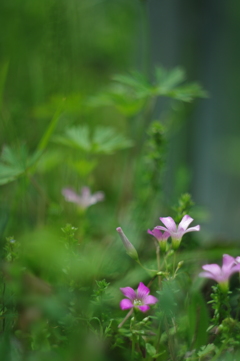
x,y
130,249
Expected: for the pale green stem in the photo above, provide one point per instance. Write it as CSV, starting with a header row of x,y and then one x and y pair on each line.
x,y
125,319
158,261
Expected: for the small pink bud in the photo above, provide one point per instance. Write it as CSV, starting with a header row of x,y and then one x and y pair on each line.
x,y
130,249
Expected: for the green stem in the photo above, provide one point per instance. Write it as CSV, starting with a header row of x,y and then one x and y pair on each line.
x,y
125,319
174,264
158,261
170,341
151,272
133,346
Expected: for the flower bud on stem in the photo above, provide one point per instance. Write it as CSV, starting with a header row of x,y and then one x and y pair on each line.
x,y
130,249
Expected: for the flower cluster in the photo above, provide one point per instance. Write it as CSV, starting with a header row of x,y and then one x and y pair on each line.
x,y
141,299
173,231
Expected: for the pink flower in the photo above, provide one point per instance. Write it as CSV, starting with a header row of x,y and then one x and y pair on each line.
x,y
85,199
161,237
221,275
177,232
139,299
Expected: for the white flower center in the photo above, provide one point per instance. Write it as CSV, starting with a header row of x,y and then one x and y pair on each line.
x,y
137,302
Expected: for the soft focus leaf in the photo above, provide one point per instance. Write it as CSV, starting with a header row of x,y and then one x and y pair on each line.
x,y
103,140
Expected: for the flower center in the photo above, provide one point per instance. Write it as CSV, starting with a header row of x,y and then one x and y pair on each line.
x,y
137,302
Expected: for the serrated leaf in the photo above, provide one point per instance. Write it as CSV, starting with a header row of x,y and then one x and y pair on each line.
x,y
75,137
168,79
104,140
15,162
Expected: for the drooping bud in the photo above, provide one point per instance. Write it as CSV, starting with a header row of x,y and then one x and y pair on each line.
x,y
130,249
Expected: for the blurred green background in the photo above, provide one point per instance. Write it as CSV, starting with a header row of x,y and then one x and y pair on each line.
x,y
56,54
68,119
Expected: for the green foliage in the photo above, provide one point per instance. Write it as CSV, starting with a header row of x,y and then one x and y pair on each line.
x,y
198,319
15,162
11,249
98,294
59,289
130,93
184,206
103,140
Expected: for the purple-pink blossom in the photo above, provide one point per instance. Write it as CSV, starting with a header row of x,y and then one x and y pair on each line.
x,y
222,274
162,237
177,232
85,199
139,299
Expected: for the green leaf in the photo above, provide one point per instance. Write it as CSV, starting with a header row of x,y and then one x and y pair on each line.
x,y
168,81
206,350
75,137
198,320
15,162
150,349
103,141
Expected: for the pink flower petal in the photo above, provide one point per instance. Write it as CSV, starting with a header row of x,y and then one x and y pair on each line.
x,y
142,291
125,304
228,262
70,195
208,275
185,222
129,292
85,192
151,232
144,308
193,229
169,223
214,269
234,269
166,235
158,234
162,228
150,300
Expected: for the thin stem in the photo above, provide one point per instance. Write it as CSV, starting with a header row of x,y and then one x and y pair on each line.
x,y
3,306
151,272
158,337
174,264
158,261
170,341
133,346
125,319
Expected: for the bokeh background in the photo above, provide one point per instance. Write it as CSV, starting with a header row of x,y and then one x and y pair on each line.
x,y
55,50
75,111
